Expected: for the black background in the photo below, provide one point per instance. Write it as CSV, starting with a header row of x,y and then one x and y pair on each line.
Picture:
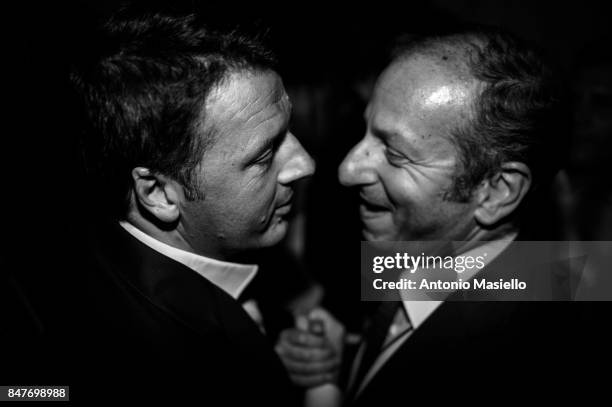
x,y
328,55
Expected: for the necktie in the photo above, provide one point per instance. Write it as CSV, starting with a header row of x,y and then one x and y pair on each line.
x,y
375,334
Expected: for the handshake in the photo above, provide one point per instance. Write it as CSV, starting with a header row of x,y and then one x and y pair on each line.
x,y
312,350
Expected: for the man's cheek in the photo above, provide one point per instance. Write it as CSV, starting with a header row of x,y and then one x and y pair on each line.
x,y
261,213
263,220
257,202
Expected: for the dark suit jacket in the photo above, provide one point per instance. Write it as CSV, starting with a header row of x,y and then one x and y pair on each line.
x,y
151,327
483,335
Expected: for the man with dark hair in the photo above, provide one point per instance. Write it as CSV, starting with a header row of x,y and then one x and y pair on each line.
x,y
186,142
461,128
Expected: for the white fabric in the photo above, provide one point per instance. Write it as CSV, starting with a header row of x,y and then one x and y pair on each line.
x,y
419,311
232,278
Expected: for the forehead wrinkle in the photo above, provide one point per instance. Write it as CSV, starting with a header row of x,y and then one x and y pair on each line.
x,y
280,106
278,97
272,117
255,102
399,112
229,85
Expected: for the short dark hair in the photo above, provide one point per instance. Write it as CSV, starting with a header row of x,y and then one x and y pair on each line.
x,y
515,117
142,91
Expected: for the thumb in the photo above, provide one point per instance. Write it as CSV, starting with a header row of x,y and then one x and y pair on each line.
x,y
301,322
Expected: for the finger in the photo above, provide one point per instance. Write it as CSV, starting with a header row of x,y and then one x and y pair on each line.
x,y
301,323
316,327
304,339
305,354
325,367
326,318
319,313
312,380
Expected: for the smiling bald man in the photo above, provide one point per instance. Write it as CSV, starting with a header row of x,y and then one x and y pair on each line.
x,y
460,130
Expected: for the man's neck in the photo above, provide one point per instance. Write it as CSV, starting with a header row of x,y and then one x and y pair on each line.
x,y
171,236
479,236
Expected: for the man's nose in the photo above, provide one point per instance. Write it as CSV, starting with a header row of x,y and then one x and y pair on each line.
x,y
357,167
299,164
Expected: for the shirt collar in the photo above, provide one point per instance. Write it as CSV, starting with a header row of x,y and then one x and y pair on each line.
x,y
232,278
419,311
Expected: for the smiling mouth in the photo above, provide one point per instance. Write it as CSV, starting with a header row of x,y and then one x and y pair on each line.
x,y
368,209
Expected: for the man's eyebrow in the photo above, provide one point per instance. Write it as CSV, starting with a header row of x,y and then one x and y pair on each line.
x,y
385,135
395,140
264,145
267,143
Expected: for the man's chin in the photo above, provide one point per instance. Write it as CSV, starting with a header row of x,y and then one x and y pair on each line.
x,y
275,233
374,236
376,229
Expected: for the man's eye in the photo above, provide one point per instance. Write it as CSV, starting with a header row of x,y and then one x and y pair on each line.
x,y
394,157
265,159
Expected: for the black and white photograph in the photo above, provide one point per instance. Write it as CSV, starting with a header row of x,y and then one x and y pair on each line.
x,y
306,204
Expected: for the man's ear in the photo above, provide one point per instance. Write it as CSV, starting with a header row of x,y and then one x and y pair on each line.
x,y
502,193
157,194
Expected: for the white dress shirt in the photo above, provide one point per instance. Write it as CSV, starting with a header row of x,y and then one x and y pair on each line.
x,y
232,278
417,312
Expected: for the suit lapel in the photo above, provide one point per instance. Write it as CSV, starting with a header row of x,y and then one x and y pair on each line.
x,y
446,333
231,343
178,291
